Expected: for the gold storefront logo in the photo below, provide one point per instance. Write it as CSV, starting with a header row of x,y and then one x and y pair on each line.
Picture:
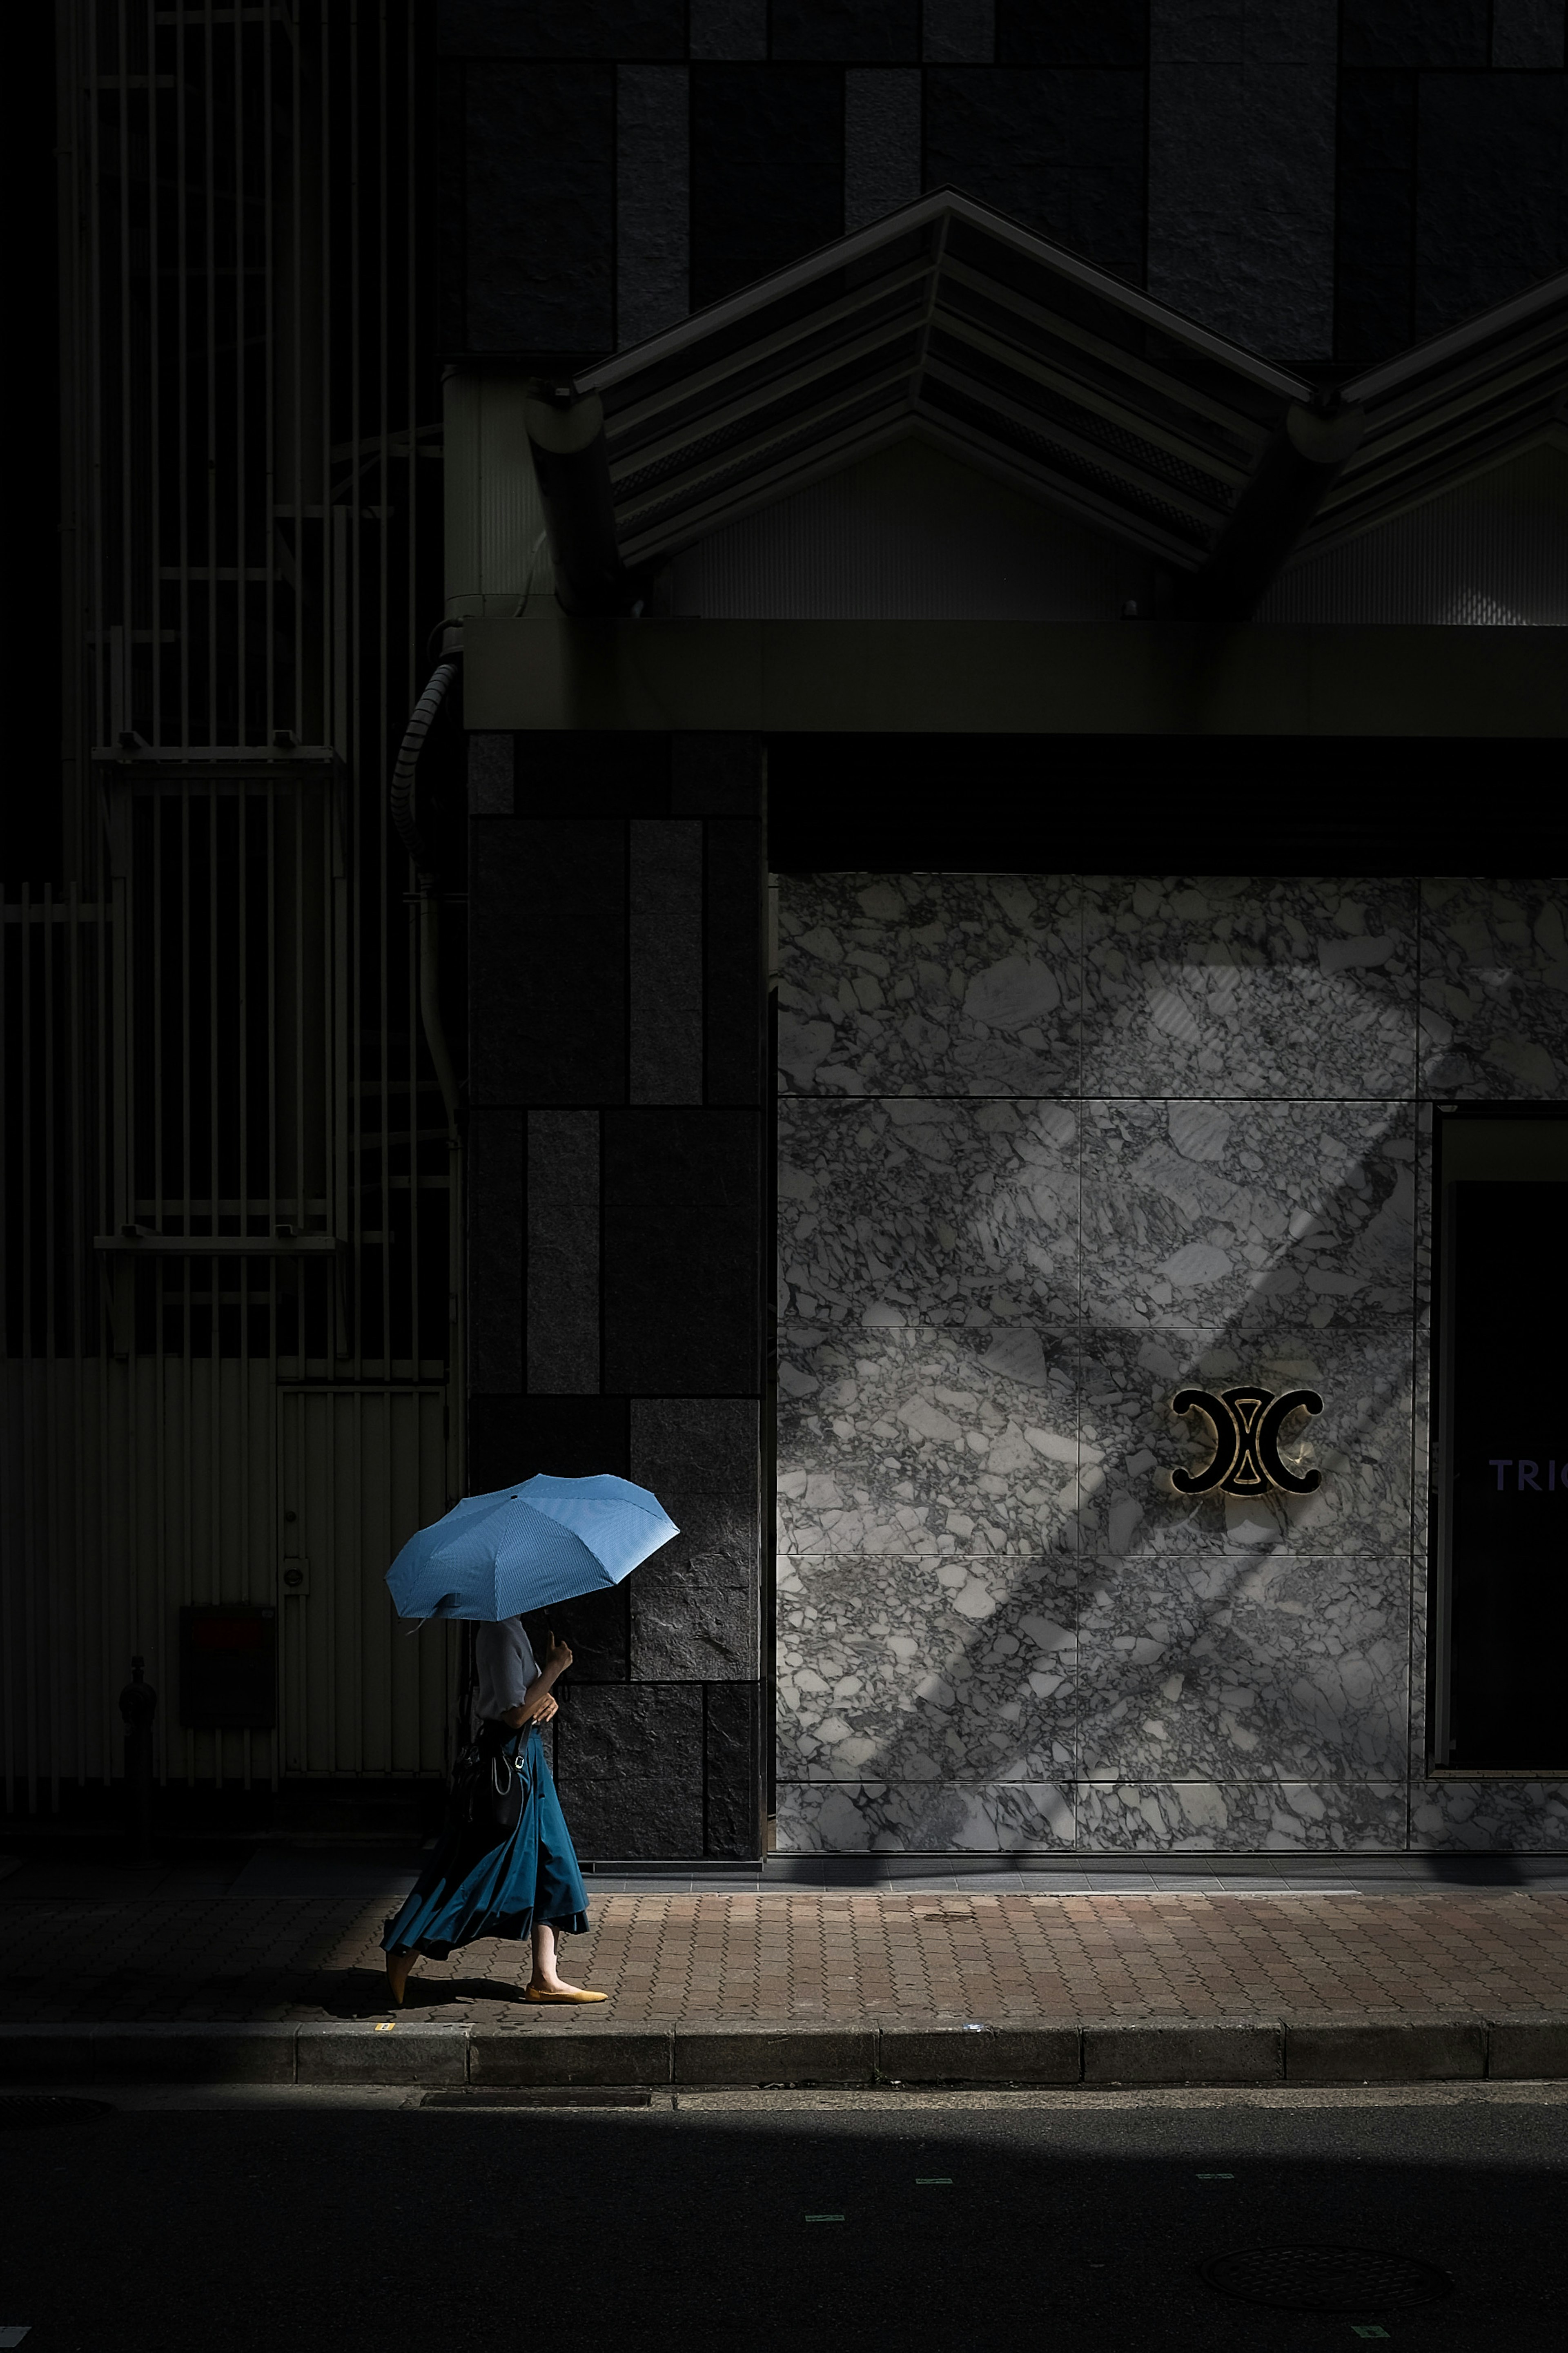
x,y
1247,1426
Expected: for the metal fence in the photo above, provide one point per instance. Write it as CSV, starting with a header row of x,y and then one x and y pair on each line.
x,y
231,1184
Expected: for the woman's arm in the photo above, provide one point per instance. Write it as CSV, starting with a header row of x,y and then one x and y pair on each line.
x,y
539,1701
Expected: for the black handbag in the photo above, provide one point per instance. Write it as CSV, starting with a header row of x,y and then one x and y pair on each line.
x,y
486,1803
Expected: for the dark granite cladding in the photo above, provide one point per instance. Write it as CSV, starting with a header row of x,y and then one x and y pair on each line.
x,y
621,30
595,773
617,947
1072,33
694,1604
596,1626
1448,164
704,1444
1442,33
767,170
733,1769
1374,297
667,1156
854,32
510,1438
1062,151
548,961
734,1045
1492,171
715,775
495,1249
539,162
682,1290
665,1019
629,1763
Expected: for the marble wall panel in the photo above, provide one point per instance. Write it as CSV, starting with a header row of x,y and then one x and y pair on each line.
x,y
1361,1442
885,1671
1202,1158
923,1817
928,985
1475,1817
1225,1668
1250,986
1241,1817
1424,1468
909,1212
1494,990
1205,1214
921,1444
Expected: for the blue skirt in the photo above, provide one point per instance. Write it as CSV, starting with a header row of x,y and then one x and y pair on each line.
x,y
532,1876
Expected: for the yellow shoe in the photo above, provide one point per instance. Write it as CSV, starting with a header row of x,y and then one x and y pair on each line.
x,y
561,1993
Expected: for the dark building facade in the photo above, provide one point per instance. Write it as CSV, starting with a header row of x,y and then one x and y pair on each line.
x,y
953,559
1006,563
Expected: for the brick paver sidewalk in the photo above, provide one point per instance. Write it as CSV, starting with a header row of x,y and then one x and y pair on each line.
x,y
802,1959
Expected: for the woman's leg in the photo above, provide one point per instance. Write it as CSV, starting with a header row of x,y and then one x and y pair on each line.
x,y
398,1967
544,1974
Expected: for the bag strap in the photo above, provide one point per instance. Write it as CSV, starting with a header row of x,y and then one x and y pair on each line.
x,y
468,1690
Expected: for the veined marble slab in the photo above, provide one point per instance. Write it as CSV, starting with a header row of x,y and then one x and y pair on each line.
x,y
1196,1212
1469,1817
923,1817
1361,1442
1226,1667
928,985
1241,1816
923,1671
1494,990
1250,986
900,1210
917,1443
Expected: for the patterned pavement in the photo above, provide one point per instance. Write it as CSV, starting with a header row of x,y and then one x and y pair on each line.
x,y
788,1955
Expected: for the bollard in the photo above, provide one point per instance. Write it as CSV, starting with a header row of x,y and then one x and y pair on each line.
x,y
139,1706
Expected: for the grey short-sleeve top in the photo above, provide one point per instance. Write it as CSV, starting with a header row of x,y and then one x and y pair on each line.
x,y
505,1665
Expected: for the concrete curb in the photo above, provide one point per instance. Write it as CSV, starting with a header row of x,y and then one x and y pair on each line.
x,y
1369,2047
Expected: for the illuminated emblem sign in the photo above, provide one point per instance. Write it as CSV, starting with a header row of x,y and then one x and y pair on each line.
x,y
1247,1426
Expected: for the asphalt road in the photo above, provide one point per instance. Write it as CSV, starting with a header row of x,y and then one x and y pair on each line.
x,y
297,2224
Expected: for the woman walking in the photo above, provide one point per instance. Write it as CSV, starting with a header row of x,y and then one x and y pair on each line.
x,y
520,1883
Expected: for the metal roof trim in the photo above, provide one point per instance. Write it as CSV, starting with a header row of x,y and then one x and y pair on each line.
x,y
941,204
1456,340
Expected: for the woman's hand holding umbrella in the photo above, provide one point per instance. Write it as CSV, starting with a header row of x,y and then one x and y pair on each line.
x,y
539,1701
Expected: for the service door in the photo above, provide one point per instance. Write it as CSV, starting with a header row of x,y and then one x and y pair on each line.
x,y
360,1469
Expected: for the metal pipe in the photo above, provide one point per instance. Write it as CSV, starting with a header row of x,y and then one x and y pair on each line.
x,y
1294,476
402,818
572,465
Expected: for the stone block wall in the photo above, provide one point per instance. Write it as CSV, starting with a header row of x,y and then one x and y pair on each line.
x,y
1050,1148
615,1219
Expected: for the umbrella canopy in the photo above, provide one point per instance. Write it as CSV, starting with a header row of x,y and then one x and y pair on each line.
x,y
528,1547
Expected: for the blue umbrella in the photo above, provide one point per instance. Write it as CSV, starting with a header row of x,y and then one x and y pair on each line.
x,y
527,1546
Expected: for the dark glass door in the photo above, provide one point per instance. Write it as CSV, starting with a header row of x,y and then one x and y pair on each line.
x,y
1505,1452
